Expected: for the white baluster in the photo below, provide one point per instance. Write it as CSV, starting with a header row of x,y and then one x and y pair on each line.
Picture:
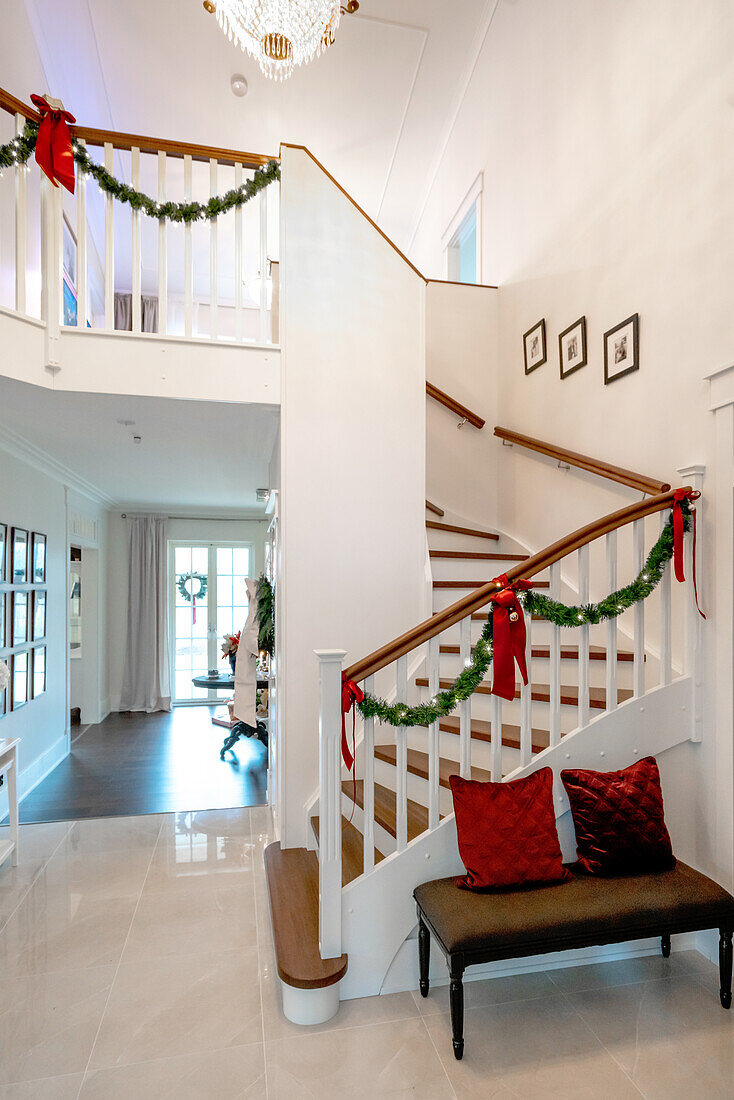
x,y
263,265
693,637
526,698
465,705
496,735
82,311
555,661
136,248
368,807
433,754
666,657
109,247
162,251
239,303
583,564
20,226
638,557
188,254
330,802
213,258
51,220
401,758
611,693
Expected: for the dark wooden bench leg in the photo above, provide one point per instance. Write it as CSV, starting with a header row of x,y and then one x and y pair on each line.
x,y
424,955
665,946
456,997
725,966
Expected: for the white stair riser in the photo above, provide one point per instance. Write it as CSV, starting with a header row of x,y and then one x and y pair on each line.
x,y
386,776
473,569
384,841
481,707
481,751
451,665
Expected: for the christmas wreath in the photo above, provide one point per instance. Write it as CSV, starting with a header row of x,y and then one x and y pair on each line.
x,y
192,596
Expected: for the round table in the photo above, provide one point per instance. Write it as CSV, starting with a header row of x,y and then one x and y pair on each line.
x,y
237,729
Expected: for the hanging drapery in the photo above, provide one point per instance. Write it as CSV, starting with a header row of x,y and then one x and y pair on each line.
x,y
146,680
245,669
124,312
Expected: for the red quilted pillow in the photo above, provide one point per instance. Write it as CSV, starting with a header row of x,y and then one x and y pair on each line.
x,y
507,832
620,825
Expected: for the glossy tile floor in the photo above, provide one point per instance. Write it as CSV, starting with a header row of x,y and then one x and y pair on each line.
x,y
136,962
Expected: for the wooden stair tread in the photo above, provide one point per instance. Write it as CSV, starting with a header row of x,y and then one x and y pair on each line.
x,y
541,693
435,509
478,584
434,525
468,555
352,850
482,731
418,764
568,652
385,808
293,889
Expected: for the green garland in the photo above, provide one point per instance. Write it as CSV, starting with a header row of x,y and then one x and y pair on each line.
x,y
469,679
18,152
189,596
266,615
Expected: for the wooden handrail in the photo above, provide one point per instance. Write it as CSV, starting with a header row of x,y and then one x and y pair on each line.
x,y
14,106
455,406
384,656
584,462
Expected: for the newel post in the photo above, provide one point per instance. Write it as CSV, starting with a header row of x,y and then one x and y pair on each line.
x,y
693,645
330,802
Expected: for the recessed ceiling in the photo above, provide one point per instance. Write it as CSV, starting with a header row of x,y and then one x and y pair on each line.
x,y
195,456
374,109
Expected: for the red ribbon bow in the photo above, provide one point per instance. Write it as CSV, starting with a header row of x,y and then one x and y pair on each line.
x,y
508,637
678,531
54,154
351,694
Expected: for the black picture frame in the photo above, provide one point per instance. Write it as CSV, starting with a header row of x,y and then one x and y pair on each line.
x,y
539,327
563,352
3,619
19,604
38,671
38,621
19,555
622,360
38,558
19,665
3,552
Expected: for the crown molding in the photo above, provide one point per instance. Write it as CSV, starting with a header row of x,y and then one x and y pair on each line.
x,y
19,447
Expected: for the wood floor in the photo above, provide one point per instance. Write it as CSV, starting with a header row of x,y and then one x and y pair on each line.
x,y
150,764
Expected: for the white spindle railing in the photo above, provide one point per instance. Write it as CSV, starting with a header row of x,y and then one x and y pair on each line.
x,y
583,661
162,251
137,260
638,559
496,735
109,247
239,294
20,229
666,655
555,661
82,310
330,804
368,805
213,256
188,252
433,753
465,711
611,654
401,757
526,698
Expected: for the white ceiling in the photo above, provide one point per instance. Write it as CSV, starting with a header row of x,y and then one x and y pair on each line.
x,y
194,456
375,109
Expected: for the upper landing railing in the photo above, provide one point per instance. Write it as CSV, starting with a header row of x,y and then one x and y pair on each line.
x,y
93,262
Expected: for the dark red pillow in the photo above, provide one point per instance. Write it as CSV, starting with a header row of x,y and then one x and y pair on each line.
x,y
507,832
619,820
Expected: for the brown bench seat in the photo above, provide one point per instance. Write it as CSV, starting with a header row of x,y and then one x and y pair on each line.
x,y
472,928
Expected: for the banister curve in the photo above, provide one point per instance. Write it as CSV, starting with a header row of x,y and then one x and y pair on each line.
x,y
584,462
421,633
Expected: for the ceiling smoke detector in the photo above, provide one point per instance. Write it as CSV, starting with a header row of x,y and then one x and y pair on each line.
x,y
262,495
238,84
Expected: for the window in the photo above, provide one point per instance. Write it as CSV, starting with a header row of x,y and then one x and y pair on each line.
x,y
462,239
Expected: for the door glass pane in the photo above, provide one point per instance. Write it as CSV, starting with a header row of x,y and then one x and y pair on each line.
x,y
190,622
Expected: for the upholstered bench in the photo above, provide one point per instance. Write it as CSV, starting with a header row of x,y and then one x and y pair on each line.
x,y
472,928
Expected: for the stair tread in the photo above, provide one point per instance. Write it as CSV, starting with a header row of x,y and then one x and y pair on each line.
x,y
293,890
352,849
478,584
385,808
482,731
469,555
434,525
418,764
541,693
568,652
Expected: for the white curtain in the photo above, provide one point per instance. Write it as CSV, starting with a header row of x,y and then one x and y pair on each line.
x,y
146,680
124,312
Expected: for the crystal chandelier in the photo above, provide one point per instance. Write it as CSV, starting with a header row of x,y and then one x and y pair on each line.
x,y
280,33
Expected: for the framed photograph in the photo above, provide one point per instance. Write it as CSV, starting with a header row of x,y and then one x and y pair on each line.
x,y
19,556
19,617
38,558
18,680
38,671
69,254
572,347
39,614
534,347
622,349
3,551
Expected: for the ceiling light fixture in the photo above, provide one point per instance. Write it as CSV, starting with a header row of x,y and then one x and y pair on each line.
x,y
238,84
281,33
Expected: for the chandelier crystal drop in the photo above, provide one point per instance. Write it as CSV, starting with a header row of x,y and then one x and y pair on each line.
x,y
280,33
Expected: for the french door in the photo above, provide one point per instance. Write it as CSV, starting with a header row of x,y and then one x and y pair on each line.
x,y
207,599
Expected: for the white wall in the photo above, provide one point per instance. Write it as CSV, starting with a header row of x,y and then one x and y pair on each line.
x,y
198,530
353,453
604,132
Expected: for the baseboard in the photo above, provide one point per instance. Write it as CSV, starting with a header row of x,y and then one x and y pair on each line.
x,y
36,772
403,973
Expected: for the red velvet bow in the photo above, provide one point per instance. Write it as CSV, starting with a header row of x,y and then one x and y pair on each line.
x,y
508,637
54,154
351,694
678,531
